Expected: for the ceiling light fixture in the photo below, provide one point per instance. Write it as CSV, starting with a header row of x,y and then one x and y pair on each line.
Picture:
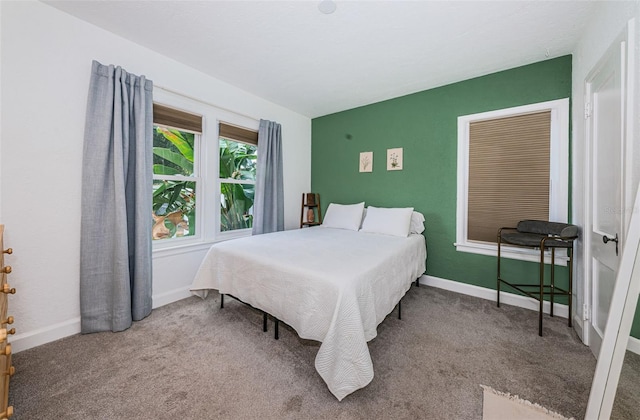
x,y
327,6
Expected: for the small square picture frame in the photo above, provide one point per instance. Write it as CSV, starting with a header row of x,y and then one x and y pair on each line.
x,y
394,159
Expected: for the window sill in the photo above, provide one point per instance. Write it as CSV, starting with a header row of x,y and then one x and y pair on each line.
x,y
184,247
511,252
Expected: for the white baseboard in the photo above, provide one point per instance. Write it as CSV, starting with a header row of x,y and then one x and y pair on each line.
x,y
578,325
171,296
41,336
511,299
490,294
45,335
634,345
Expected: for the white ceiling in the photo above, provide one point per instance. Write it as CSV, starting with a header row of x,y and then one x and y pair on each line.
x,y
290,53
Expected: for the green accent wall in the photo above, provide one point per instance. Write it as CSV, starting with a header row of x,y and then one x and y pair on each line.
x,y
635,327
425,125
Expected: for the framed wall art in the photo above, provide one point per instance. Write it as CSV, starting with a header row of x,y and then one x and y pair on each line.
x,y
394,159
366,162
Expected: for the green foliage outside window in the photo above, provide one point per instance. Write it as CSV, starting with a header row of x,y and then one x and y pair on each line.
x,y
174,200
237,162
174,193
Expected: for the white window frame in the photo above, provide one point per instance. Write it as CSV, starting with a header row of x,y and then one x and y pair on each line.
x,y
196,177
558,171
208,188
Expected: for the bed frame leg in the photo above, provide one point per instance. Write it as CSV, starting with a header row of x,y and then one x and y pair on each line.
x,y
418,282
221,300
277,324
264,322
400,310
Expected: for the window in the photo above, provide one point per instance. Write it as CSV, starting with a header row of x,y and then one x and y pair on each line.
x,y
176,138
512,165
203,175
237,176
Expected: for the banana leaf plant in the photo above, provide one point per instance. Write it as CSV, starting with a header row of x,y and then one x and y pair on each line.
x,y
238,162
174,201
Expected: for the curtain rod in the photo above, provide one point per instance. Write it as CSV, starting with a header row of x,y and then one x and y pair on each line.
x,y
202,101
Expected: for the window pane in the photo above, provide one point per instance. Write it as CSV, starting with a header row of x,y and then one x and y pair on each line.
x,y
172,151
236,206
237,160
174,209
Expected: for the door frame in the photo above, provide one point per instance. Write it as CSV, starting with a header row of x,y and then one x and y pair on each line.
x,y
625,41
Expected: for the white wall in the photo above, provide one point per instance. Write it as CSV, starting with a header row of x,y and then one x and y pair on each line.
x,y
46,62
608,22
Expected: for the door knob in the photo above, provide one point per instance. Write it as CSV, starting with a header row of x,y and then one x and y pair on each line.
x,y
606,239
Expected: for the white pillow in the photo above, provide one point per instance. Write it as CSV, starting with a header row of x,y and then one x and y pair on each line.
x,y
343,216
388,221
417,223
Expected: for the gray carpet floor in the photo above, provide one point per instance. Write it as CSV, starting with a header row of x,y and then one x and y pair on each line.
x,y
193,360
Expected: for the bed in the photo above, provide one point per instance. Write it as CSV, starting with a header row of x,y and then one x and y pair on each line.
x,y
332,285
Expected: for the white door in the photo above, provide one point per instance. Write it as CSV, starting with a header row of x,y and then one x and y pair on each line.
x,y
605,135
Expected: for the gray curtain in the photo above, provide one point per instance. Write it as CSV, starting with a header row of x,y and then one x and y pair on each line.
x,y
268,206
115,240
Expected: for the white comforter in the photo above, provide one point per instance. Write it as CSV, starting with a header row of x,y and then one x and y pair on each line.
x,y
331,285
